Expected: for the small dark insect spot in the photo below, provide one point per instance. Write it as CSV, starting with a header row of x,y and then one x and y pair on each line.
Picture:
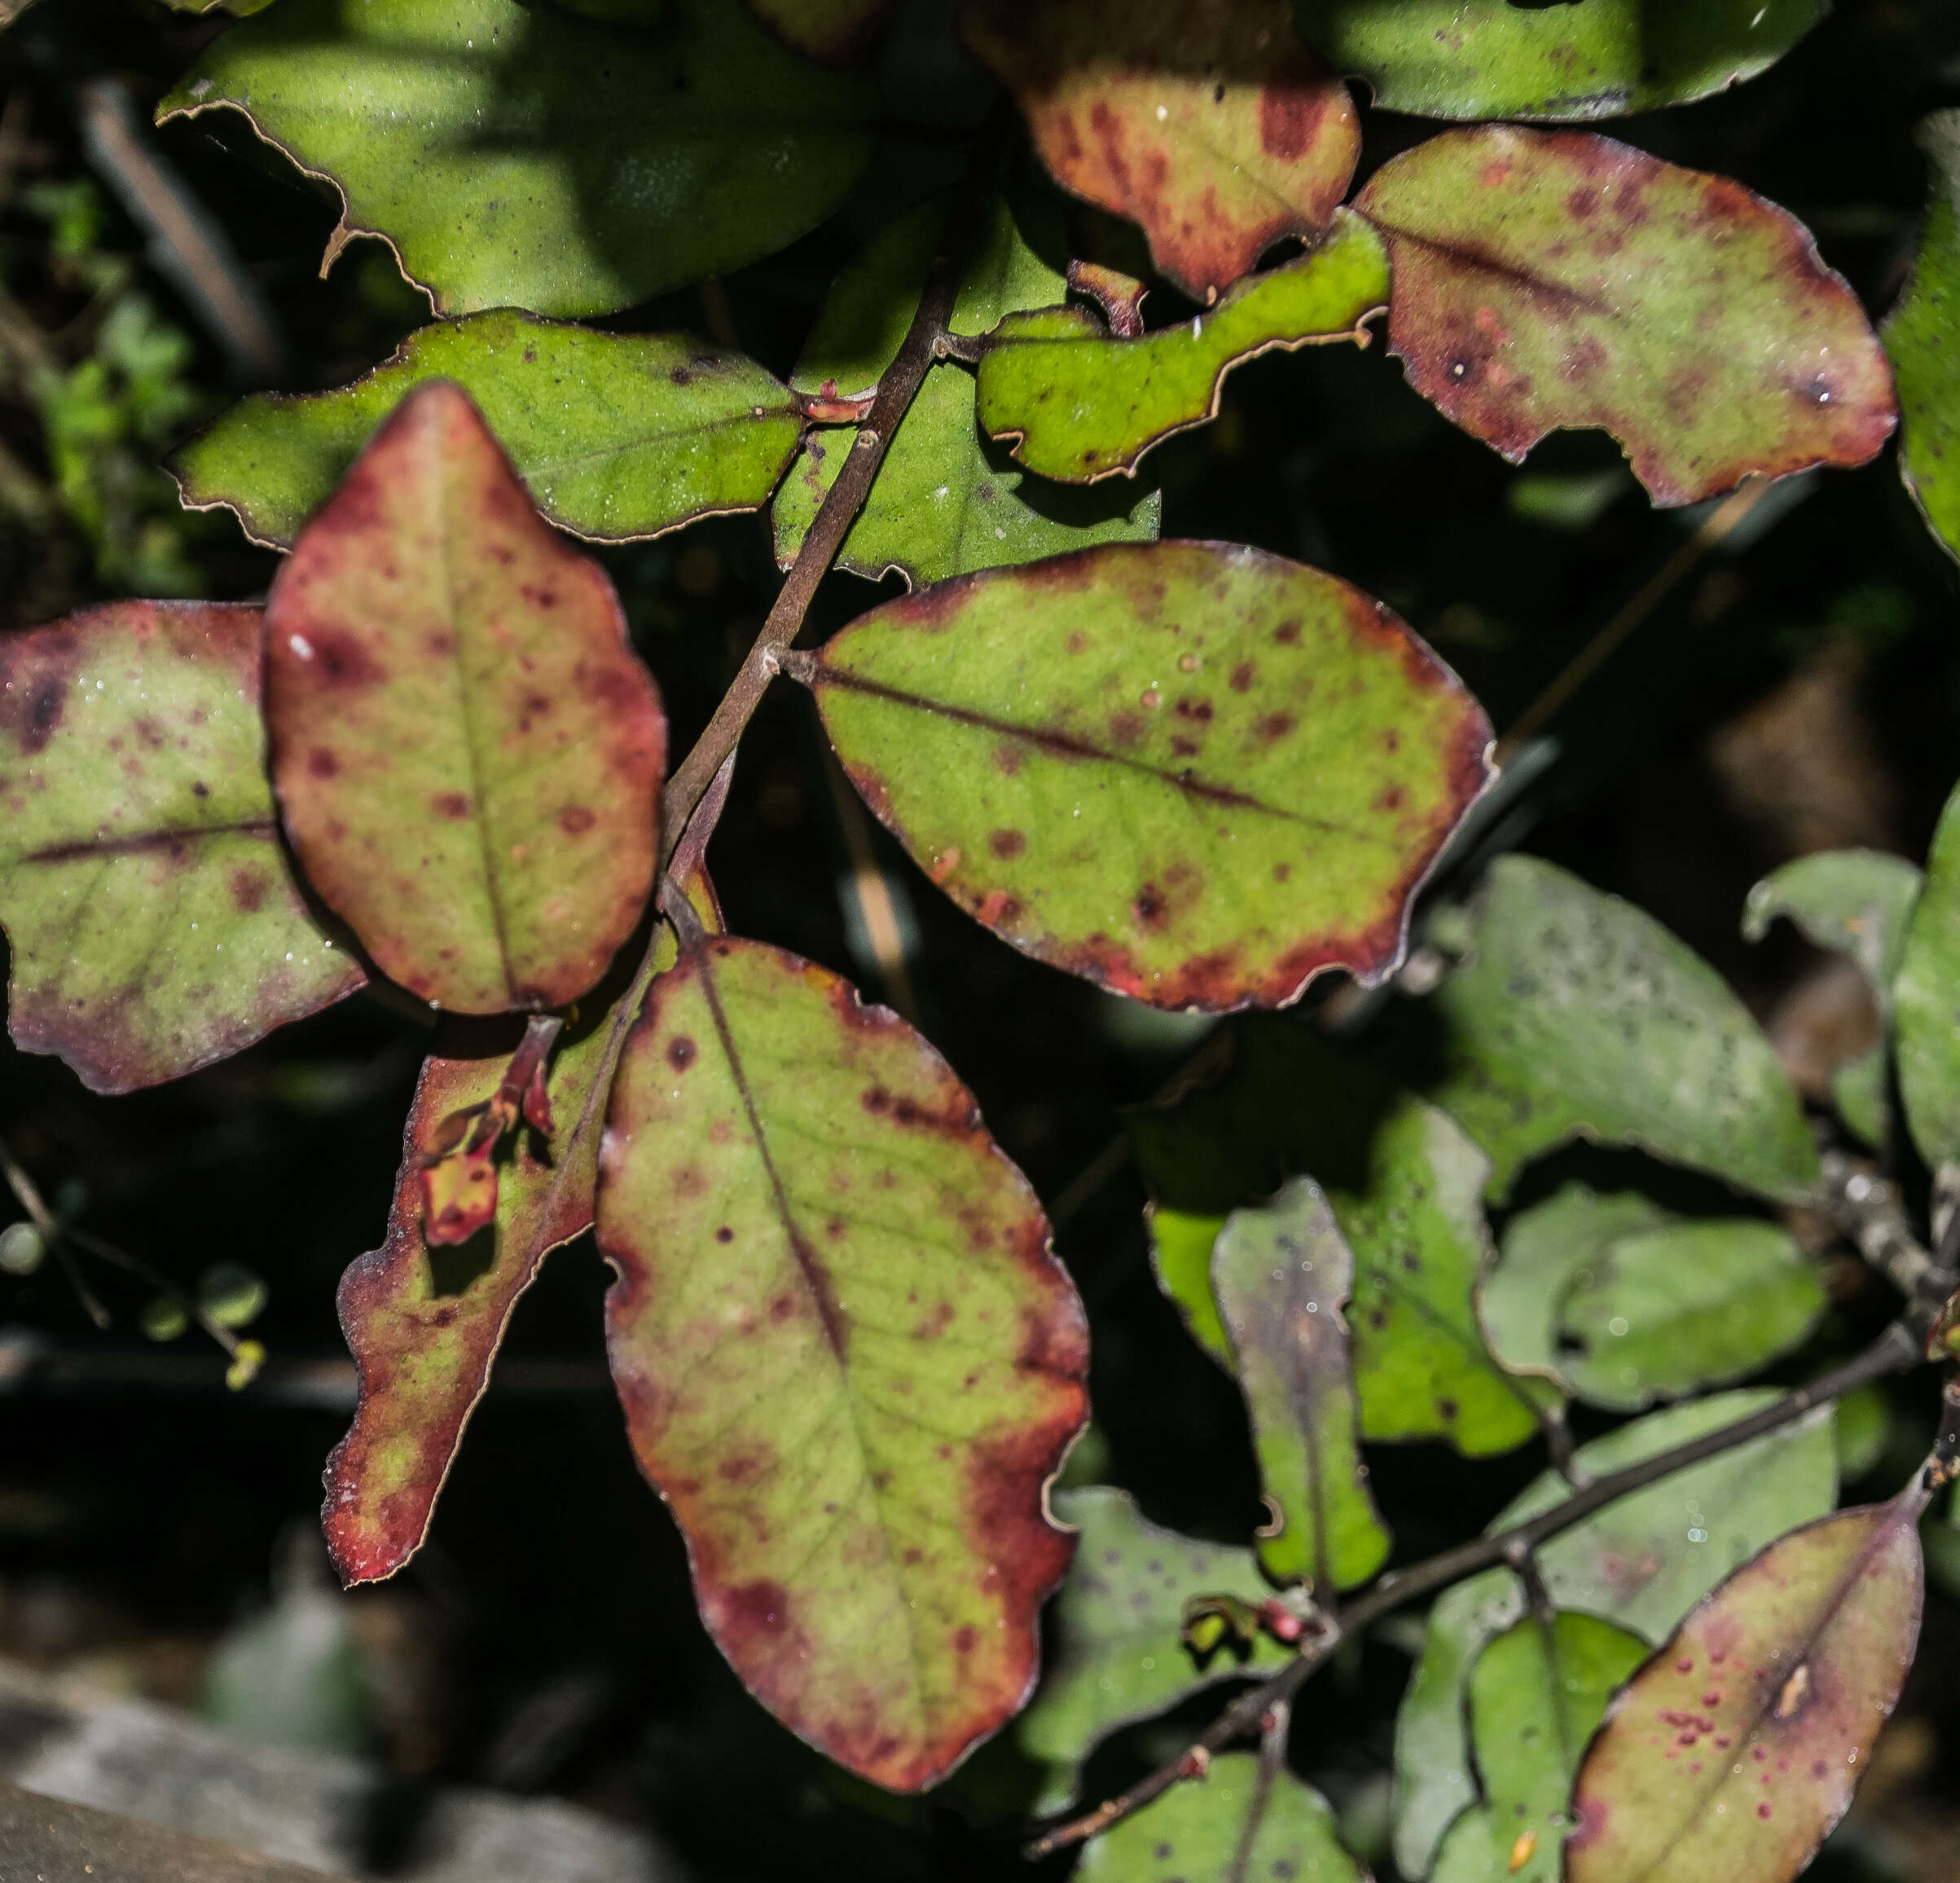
x,y
1242,677
1218,94
322,763
724,1234
681,377
1149,907
451,803
681,1052
201,790
574,820
1006,843
1447,1407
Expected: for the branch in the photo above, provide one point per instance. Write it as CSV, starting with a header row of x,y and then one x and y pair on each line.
x,y
1895,1350
902,378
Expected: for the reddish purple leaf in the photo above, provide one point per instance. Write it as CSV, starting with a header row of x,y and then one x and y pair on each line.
x,y
1549,279
467,752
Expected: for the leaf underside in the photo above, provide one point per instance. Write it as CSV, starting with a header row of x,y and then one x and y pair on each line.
x,y
467,752
1926,996
1196,774
1549,279
154,923
849,1362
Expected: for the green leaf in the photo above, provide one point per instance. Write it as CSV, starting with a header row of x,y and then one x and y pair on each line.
x,y
1919,339
1193,1833
1671,1311
1856,903
1216,128
514,157
832,31
1120,1654
1281,1275
1926,1001
1405,1186
1578,1015
1548,279
1132,762
1479,59
1544,1248
946,502
1079,404
850,1360
1737,1749
467,754
155,925
616,435
1536,1694
1641,1563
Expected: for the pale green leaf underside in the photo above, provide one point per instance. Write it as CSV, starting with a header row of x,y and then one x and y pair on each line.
x,y
520,156
1923,338
1642,1563
1926,998
616,435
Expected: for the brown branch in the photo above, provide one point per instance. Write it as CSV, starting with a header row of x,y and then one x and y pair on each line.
x,y
896,390
1898,1349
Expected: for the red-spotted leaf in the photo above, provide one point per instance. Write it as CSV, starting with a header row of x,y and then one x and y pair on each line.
x,y
424,1322
832,31
848,1360
1549,279
1195,773
155,925
1210,122
467,752
1734,1751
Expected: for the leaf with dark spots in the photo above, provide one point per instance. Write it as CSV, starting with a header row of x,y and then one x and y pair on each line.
x,y
1536,1695
1737,1748
1209,122
517,155
424,1322
832,31
1487,59
1066,700
1550,279
1575,1014
946,502
424,622
1120,1652
616,435
1919,339
1281,1274
1405,1187
154,922
1079,404
1641,1563
1857,903
1926,997
1196,1833
828,1271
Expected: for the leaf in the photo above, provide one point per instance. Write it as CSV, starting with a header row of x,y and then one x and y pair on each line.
x,y
616,435
1578,1015
945,502
1404,1184
1671,1311
1079,404
832,31
848,1360
1856,903
1926,1001
1919,339
468,754
1737,1748
1196,774
1535,1696
1544,1248
1550,279
424,1323
1484,59
1193,1832
1212,125
1282,1276
1120,1655
1641,1563
155,924
514,157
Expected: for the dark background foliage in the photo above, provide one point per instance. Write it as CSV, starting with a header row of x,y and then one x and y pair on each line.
x,y
1799,693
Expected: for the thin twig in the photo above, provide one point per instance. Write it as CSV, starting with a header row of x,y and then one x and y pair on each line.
x,y
1273,1730
1898,1349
